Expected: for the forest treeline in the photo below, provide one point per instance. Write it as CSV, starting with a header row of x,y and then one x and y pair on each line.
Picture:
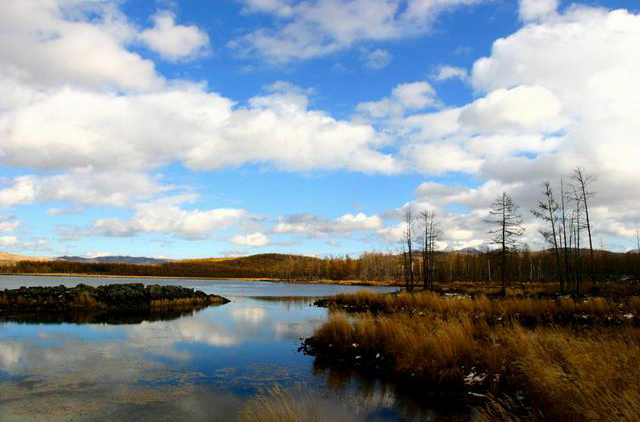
x,y
475,265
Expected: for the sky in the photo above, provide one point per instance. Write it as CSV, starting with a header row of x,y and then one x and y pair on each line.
x,y
198,128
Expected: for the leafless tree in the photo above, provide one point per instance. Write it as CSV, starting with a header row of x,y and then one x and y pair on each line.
x,y
582,182
409,273
565,240
547,211
508,228
577,226
431,233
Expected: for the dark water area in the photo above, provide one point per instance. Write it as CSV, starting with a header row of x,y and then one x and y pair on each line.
x,y
196,365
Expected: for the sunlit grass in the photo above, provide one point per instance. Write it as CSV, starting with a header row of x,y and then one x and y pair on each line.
x,y
521,308
562,372
283,405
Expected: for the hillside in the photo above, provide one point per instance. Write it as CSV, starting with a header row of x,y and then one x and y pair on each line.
x,y
114,259
7,257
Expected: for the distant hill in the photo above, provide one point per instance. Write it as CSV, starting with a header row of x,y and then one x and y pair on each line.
x,y
114,260
469,251
7,257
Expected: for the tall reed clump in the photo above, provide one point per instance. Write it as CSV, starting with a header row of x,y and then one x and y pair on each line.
x,y
425,349
178,303
280,405
570,377
572,372
535,310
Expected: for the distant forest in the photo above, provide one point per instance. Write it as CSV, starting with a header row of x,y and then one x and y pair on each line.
x,y
525,266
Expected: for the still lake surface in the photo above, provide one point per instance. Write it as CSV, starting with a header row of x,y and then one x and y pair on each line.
x,y
200,366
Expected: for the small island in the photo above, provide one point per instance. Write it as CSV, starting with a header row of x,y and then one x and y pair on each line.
x,y
112,297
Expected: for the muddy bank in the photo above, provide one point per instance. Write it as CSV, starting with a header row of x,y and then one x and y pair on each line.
x,y
112,298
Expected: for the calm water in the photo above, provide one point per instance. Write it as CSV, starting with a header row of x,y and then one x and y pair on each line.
x,y
200,366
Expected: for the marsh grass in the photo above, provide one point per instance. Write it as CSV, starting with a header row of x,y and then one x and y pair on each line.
x,y
524,309
177,303
561,372
283,405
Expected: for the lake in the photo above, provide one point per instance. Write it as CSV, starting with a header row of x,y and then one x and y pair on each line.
x,y
199,366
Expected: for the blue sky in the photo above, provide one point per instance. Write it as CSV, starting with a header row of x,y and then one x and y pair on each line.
x,y
198,128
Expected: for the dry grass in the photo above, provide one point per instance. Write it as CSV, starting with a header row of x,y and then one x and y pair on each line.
x,y
523,309
565,373
85,301
280,405
570,377
177,303
429,350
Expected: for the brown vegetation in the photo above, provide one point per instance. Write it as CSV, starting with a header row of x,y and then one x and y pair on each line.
x,y
282,405
372,267
585,368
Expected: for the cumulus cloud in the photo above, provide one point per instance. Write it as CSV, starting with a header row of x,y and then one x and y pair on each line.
x,y
69,128
316,28
537,9
315,226
446,72
377,59
254,239
174,42
521,109
81,43
404,97
82,187
165,216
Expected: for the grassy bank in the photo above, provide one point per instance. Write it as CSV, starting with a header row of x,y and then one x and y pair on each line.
x,y
538,359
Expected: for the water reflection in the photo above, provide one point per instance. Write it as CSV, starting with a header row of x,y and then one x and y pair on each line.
x,y
199,365
101,317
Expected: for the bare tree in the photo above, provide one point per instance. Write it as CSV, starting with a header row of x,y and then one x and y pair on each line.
x,y
431,233
577,225
565,240
582,183
547,211
409,274
504,215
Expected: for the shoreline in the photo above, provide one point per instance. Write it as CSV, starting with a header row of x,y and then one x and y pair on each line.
x,y
261,279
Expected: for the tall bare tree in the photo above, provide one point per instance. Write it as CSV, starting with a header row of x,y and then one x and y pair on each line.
x,y
409,273
583,182
508,228
565,240
431,233
577,226
547,211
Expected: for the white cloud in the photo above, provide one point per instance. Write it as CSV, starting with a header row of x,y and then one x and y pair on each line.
x,y
81,187
537,9
8,240
404,97
81,43
165,216
445,72
315,28
174,42
377,59
254,239
315,226
521,109
70,128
